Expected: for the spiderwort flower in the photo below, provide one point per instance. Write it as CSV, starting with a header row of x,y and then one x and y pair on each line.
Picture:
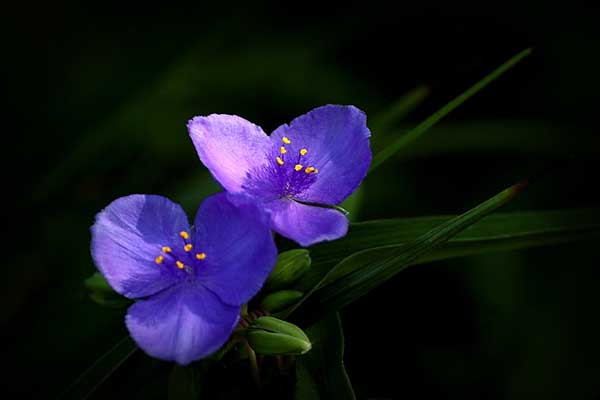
x,y
189,283
316,161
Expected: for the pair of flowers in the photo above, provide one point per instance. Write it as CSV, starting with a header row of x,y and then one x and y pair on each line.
x,y
190,282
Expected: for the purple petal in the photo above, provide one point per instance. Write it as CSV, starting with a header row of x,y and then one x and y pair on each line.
x,y
182,324
229,146
337,140
305,224
234,233
127,237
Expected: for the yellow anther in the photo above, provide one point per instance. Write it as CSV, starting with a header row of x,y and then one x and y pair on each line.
x,y
187,247
166,249
298,167
159,259
303,152
180,265
184,235
308,170
279,161
286,140
201,256
282,150
316,171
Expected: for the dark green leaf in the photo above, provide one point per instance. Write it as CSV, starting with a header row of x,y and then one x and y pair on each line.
x,y
417,131
362,280
306,388
101,293
322,368
499,232
96,282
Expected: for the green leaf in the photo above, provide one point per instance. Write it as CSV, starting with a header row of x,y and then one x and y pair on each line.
x,y
306,388
101,293
498,232
370,273
100,370
417,131
322,369
184,383
97,282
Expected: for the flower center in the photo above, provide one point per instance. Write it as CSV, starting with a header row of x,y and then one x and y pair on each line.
x,y
287,173
177,258
297,165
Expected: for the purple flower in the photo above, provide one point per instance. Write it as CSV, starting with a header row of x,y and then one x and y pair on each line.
x,y
316,161
189,283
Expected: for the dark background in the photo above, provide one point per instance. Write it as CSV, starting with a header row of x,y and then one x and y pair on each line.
x,y
100,96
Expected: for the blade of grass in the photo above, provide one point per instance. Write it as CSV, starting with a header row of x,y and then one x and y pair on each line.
x,y
499,232
357,284
398,109
417,131
100,370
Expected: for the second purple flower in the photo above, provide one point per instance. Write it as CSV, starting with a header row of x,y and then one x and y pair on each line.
x,y
316,161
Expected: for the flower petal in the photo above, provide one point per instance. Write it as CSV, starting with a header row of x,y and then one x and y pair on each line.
x,y
234,233
305,224
127,237
229,146
337,142
182,324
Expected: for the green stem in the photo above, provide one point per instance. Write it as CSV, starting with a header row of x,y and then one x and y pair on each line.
x,y
253,364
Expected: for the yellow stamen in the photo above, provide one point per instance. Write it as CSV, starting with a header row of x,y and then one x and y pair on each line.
x,y
286,140
282,150
180,265
201,256
279,161
298,167
303,152
166,249
316,171
184,235
187,247
308,170
159,259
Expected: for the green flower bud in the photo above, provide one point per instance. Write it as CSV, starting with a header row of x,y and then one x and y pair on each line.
x,y
272,336
291,265
278,301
